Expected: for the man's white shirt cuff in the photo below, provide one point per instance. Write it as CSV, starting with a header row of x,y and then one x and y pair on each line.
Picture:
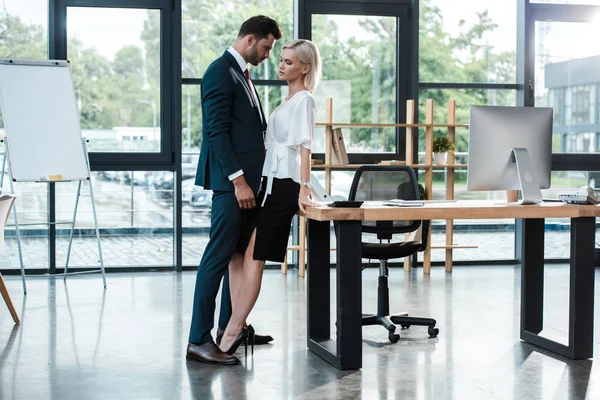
x,y
235,175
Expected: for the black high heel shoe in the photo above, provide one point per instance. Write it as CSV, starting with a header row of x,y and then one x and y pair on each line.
x,y
250,333
241,338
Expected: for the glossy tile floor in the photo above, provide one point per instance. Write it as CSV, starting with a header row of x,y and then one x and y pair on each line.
x,y
78,341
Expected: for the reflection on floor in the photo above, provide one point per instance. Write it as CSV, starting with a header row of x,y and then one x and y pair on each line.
x,y
78,341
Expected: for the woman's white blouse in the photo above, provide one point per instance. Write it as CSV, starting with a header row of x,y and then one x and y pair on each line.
x,y
291,125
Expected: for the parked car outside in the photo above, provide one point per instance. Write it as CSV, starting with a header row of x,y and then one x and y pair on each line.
x,y
196,196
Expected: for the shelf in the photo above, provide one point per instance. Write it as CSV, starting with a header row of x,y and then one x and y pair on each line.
x,y
356,166
351,125
438,166
454,246
450,125
428,169
335,166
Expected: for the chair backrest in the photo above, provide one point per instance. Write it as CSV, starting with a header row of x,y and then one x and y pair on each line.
x,y
382,182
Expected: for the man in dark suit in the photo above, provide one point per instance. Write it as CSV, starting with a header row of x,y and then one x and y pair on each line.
x,y
231,160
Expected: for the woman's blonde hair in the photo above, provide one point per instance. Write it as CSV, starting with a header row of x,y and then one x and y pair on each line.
x,y
308,53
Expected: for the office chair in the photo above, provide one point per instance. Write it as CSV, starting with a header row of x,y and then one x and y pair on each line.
x,y
377,182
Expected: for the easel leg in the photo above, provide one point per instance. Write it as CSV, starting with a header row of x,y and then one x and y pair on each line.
x,y
97,235
72,230
87,158
14,210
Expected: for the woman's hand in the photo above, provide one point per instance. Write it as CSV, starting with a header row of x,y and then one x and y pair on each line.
x,y
305,199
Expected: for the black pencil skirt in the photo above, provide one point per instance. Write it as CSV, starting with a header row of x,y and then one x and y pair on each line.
x,y
273,221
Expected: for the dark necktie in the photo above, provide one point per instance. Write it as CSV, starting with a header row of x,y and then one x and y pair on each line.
x,y
247,75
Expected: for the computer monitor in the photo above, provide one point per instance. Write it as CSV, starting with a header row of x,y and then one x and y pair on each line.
x,y
510,148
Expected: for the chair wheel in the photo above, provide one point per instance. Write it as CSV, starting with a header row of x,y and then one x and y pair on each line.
x,y
393,337
433,332
406,326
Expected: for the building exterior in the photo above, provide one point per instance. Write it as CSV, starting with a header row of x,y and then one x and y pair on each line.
x,y
573,91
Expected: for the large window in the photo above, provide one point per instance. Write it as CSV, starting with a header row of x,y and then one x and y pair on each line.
x,y
24,34
478,45
24,27
465,98
567,79
209,27
122,54
360,74
590,2
469,57
116,73
135,215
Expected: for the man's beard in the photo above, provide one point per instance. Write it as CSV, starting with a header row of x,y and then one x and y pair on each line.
x,y
252,56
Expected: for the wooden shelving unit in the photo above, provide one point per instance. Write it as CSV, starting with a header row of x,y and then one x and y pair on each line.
x,y
428,168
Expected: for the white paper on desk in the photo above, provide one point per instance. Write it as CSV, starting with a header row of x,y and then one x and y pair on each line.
x,y
404,203
6,202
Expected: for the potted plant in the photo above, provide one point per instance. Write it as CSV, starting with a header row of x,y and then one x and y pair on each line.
x,y
422,194
441,146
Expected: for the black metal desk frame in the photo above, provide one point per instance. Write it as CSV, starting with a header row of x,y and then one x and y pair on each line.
x,y
345,351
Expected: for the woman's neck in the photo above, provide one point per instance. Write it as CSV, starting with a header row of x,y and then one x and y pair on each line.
x,y
295,87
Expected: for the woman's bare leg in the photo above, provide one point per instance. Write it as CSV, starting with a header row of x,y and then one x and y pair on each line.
x,y
246,296
235,276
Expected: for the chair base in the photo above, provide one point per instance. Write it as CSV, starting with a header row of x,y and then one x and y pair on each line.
x,y
387,320
402,319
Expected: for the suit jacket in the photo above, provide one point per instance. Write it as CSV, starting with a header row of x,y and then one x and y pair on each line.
x,y
232,128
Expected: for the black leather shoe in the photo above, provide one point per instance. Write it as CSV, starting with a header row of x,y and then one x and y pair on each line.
x,y
209,353
256,339
260,339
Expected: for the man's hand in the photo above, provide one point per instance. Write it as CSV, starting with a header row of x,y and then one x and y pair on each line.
x,y
243,193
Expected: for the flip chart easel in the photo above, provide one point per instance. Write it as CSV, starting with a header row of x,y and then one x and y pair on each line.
x,y
43,140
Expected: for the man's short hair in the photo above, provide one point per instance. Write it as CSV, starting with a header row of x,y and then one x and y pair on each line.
x,y
260,26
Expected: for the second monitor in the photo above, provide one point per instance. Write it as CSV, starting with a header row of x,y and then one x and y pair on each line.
x,y
510,148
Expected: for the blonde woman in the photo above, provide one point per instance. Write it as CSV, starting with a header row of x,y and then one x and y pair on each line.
x,y
285,183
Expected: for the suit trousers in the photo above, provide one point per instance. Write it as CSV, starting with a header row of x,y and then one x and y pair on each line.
x,y
227,221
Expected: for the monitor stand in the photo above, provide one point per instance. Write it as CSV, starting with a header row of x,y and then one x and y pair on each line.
x,y
528,181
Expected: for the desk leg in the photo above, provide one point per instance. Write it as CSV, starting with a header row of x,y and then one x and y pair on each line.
x,y
346,351
302,246
349,295
318,292
581,288
532,276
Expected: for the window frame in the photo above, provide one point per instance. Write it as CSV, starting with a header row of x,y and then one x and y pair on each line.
x,y
170,81
169,158
406,14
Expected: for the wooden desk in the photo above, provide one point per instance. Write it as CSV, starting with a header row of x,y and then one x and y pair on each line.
x,y
346,351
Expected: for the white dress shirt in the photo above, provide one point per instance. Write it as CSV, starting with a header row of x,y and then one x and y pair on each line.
x,y
291,125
